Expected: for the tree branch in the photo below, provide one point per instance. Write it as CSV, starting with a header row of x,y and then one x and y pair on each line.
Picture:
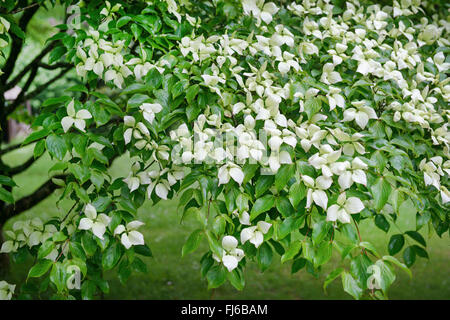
x,y
25,8
10,148
55,66
16,170
30,201
32,64
22,93
36,91
17,43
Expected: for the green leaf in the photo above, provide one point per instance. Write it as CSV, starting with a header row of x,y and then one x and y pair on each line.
x,y
143,250
7,181
394,261
396,244
320,231
56,54
192,242
236,279
56,146
81,173
417,236
213,244
308,251
39,149
298,264
40,268
206,263
262,205
312,106
331,277
138,99
380,192
264,256
89,244
111,256
124,271
57,276
139,265
323,253
97,179
216,276
409,256
6,196
36,135
59,236
292,251
136,30
15,29
88,289
397,199
242,202
76,249
263,183
154,78
45,249
369,246
359,269
56,100
192,92
382,223
78,88
349,231
387,275
284,174
287,226
421,252
102,203
297,193
178,88
422,219
351,286
249,172
123,21
284,206
128,205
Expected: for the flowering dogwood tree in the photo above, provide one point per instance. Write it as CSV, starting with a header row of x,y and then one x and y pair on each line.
x,y
280,125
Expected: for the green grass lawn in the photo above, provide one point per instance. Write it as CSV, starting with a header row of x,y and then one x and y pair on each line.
x,y
172,277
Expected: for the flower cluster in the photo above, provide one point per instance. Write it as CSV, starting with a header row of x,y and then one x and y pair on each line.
x,y
102,57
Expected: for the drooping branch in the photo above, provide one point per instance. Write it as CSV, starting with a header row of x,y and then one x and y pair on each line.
x,y
30,201
10,148
16,170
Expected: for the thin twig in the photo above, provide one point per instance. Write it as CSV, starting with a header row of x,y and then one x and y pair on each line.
x,y
363,250
65,217
64,247
25,8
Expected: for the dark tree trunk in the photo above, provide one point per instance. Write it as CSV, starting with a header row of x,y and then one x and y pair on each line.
x,y
4,258
3,119
5,128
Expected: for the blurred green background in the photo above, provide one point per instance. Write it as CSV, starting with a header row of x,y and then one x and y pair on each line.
x,y
172,277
